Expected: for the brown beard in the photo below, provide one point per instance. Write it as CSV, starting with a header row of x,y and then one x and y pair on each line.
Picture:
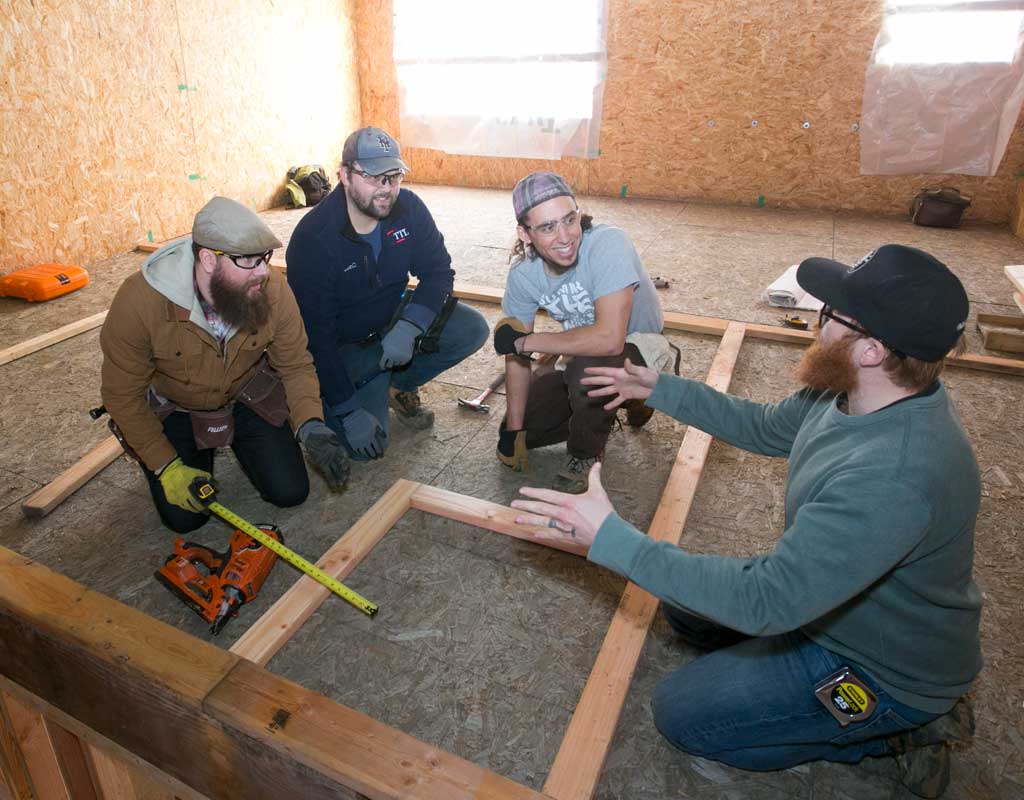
x,y
828,367
234,305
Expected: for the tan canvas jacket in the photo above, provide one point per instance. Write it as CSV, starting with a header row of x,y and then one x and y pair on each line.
x,y
151,338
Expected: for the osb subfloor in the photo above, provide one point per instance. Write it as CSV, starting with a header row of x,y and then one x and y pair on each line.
x,y
483,643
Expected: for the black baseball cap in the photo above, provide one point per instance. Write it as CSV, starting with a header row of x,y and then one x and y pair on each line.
x,y
375,151
909,300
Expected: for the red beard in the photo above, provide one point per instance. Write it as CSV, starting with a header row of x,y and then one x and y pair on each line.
x,y
829,367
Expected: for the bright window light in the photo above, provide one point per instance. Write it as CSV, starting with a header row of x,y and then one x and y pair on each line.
x,y
961,34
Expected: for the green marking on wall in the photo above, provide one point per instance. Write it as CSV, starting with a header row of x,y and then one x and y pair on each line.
x,y
195,176
622,191
149,236
760,201
186,88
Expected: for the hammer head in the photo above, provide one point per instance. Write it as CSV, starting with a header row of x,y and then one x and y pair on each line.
x,y
482,408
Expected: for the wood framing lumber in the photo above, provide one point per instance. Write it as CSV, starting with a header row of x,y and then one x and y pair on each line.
x,y
110,775
365,755
222,725
38,750
1015,272
1002,332
271,631
12,760
53,337
149,783
580,759
71,757
1018,298
43,501
484,514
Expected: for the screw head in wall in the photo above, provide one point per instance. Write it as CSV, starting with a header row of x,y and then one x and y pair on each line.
x,y
806,126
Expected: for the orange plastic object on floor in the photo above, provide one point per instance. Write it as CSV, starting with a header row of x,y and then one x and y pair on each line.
x,y
43,282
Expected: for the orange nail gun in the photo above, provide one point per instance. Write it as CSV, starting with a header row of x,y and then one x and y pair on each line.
x,y
215,585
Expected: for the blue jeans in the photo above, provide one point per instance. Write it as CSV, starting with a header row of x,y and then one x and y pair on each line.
x,y
752,704
464,334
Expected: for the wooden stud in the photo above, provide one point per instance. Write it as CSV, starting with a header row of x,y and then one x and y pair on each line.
x,y
53,337
111,776
43,501
484,514
1002,332
37,749
577,767
12,760
147,781
72,759
271,631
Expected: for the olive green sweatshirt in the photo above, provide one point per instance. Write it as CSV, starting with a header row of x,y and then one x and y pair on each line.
x,y
875,561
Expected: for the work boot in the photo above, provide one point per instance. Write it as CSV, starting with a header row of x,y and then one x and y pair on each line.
x,y
574,477
922,754
637,413
956,726
924,771
409,409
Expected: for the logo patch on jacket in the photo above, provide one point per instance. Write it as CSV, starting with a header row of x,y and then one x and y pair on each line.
x,y
350,266
399,235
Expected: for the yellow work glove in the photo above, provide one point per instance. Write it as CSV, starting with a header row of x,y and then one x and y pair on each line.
x,y
175,478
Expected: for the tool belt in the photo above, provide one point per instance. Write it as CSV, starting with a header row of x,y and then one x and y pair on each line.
x,y
263,393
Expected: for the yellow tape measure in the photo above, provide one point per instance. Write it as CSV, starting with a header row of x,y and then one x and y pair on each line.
x,y
290,556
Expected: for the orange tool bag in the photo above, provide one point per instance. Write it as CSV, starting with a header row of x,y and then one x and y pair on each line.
x,y
43,282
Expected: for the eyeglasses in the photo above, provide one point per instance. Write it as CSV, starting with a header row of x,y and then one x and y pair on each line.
x,y
255,259
548,229
381,181
827,312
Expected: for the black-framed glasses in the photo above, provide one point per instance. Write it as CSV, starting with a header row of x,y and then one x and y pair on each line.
x,y
381,181
252,260
827,312
549,228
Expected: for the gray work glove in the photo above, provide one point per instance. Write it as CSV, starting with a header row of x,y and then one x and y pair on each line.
x,y
364,433
325,452
398,344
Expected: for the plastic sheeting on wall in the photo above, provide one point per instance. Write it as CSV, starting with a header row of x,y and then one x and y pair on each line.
x,y
942,94
520,80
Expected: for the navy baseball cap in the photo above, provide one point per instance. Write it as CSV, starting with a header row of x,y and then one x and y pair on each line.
x,y
909,300
375,151
537,188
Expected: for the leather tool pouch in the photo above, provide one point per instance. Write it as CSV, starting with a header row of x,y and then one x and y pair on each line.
x,y
264,394
939,208
212,429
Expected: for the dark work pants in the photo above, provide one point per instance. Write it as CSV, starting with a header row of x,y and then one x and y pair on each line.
x,y
558,409
269,456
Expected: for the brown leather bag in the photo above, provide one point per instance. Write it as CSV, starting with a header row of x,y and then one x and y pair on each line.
x,y
939,207
264,394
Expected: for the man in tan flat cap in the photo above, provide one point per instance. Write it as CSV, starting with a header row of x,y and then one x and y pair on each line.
x,y
204,348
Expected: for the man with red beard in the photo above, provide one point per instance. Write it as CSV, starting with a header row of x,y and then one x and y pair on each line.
x,y
204,348
858,633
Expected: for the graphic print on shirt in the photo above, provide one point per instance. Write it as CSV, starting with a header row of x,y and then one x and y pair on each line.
x,y
570,304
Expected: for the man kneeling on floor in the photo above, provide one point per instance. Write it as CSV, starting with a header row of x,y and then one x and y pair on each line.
x,y
204,348
591,280
858,633
374,342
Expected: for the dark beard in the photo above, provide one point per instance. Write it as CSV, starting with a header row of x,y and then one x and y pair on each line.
x,y
828,367
235,307
370,210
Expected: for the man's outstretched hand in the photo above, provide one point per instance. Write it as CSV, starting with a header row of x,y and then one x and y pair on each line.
x,y
629,382
571,517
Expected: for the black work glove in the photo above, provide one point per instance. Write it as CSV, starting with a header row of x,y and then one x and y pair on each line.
x,y
512,449
506,333
325,452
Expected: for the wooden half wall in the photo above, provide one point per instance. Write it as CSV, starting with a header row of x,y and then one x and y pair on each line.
x,y
685,83
121,119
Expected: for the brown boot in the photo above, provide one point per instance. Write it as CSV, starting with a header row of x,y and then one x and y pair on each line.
x,y
574,477
925,770
637,413
409,409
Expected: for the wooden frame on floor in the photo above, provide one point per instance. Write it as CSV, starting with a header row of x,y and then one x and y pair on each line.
x,y
151,702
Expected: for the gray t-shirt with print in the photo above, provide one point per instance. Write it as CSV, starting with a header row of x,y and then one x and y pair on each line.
x,y
607,263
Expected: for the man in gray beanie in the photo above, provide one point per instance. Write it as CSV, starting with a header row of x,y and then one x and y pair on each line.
x,y
204,348
590,279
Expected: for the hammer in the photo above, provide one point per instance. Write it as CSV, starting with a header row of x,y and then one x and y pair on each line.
x,y
477,403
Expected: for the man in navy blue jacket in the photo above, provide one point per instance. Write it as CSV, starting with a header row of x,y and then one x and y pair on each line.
x,y
349,261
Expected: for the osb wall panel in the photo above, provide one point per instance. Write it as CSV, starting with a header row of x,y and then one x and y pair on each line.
x,y
120,119
685,81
